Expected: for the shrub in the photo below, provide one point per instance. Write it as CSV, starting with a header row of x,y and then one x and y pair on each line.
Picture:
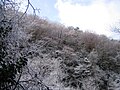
x,y
90,40
107,52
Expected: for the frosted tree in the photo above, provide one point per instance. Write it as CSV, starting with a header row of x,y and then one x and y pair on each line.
x,y
12,52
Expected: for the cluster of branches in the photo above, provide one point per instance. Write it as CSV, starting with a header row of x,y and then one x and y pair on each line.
x,y
11,60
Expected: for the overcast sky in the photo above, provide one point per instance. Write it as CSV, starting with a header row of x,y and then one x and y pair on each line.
x,y
94,15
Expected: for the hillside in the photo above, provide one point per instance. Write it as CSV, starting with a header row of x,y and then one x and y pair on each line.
x,y
65,58
37,54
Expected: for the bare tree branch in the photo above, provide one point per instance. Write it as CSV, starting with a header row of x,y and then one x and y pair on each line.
x,y
29,5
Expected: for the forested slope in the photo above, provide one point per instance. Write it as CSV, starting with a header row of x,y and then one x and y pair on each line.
x,y
66,58
37,54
